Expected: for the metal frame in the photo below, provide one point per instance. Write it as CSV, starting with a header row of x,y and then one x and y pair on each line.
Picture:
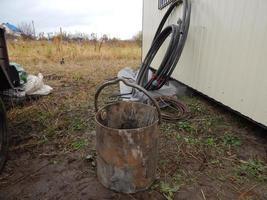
x,y
163,3
3,136
6,77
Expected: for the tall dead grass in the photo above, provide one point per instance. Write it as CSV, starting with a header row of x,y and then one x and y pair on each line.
x,y
33,52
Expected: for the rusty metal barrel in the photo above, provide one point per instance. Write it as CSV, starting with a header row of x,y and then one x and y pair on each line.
x,y
127,142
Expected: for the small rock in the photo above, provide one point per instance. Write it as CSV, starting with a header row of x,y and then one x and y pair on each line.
x,y
89,158
93,164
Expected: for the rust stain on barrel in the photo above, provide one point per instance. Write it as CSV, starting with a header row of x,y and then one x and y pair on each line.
x,y
127,137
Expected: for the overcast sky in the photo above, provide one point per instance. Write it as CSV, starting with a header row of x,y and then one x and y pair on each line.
x,y
119,18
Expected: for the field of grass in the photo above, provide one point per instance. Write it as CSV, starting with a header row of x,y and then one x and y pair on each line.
x,y
32,52
213,154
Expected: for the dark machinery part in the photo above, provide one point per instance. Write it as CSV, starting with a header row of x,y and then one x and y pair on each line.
x,y
3,136
9,77
178,35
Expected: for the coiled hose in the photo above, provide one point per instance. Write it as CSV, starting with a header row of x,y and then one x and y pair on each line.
x,y
178,34
175,109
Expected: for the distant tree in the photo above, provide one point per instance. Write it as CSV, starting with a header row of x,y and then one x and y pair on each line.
x,y
79,37
26,29
93,38
41,36
138,38
103,39
114,40
50,35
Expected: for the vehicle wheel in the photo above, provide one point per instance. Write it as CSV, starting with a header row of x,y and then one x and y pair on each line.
x,y
3,136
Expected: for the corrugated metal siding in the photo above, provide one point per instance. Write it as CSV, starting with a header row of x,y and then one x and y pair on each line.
x,y
225,56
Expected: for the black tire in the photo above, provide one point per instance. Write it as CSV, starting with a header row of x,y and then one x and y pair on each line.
x,y
3,136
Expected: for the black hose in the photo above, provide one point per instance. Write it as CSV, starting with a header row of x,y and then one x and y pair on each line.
x,y
178,34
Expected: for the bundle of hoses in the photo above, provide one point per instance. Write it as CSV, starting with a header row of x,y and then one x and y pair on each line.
x,y
178,34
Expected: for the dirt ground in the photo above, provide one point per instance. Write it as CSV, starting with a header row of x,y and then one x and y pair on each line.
x,y
212,154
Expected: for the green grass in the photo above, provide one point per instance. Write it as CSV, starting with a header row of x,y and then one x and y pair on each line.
x,y
78,124
191,140
210,142
194,105
186,126
231,140
79,144
168,190
170,187
252,169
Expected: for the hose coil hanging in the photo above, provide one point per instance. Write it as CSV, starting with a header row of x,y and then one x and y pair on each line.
x,y
178,34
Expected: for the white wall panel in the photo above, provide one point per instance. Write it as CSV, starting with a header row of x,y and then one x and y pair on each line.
x,y
225,56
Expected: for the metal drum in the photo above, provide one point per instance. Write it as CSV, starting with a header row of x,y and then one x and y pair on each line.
x,y
127,142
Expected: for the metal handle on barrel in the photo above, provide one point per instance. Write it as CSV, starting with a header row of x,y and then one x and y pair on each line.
x,y
133,85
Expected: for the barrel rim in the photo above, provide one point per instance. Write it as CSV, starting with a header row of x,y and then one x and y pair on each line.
x,y
134,129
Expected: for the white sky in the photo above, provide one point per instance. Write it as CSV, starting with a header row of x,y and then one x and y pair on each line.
x,y
119,18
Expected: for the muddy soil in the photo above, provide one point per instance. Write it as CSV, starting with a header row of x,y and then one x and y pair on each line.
x,y
66,177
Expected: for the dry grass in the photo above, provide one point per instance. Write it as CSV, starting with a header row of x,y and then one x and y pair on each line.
x,y
69,109
34,52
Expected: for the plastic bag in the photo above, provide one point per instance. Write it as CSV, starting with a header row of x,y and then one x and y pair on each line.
x,y
36,86
21,72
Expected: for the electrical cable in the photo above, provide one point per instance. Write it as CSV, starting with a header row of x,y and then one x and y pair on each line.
x,y
173,53
175,109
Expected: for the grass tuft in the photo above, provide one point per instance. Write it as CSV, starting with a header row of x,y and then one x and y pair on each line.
x,y
231,140
79,144
252,169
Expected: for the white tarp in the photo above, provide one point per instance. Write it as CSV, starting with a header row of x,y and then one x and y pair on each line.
x,y
167,90
36,86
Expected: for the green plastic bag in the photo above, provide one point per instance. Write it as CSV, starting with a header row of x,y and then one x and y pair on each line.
x,y
22,73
